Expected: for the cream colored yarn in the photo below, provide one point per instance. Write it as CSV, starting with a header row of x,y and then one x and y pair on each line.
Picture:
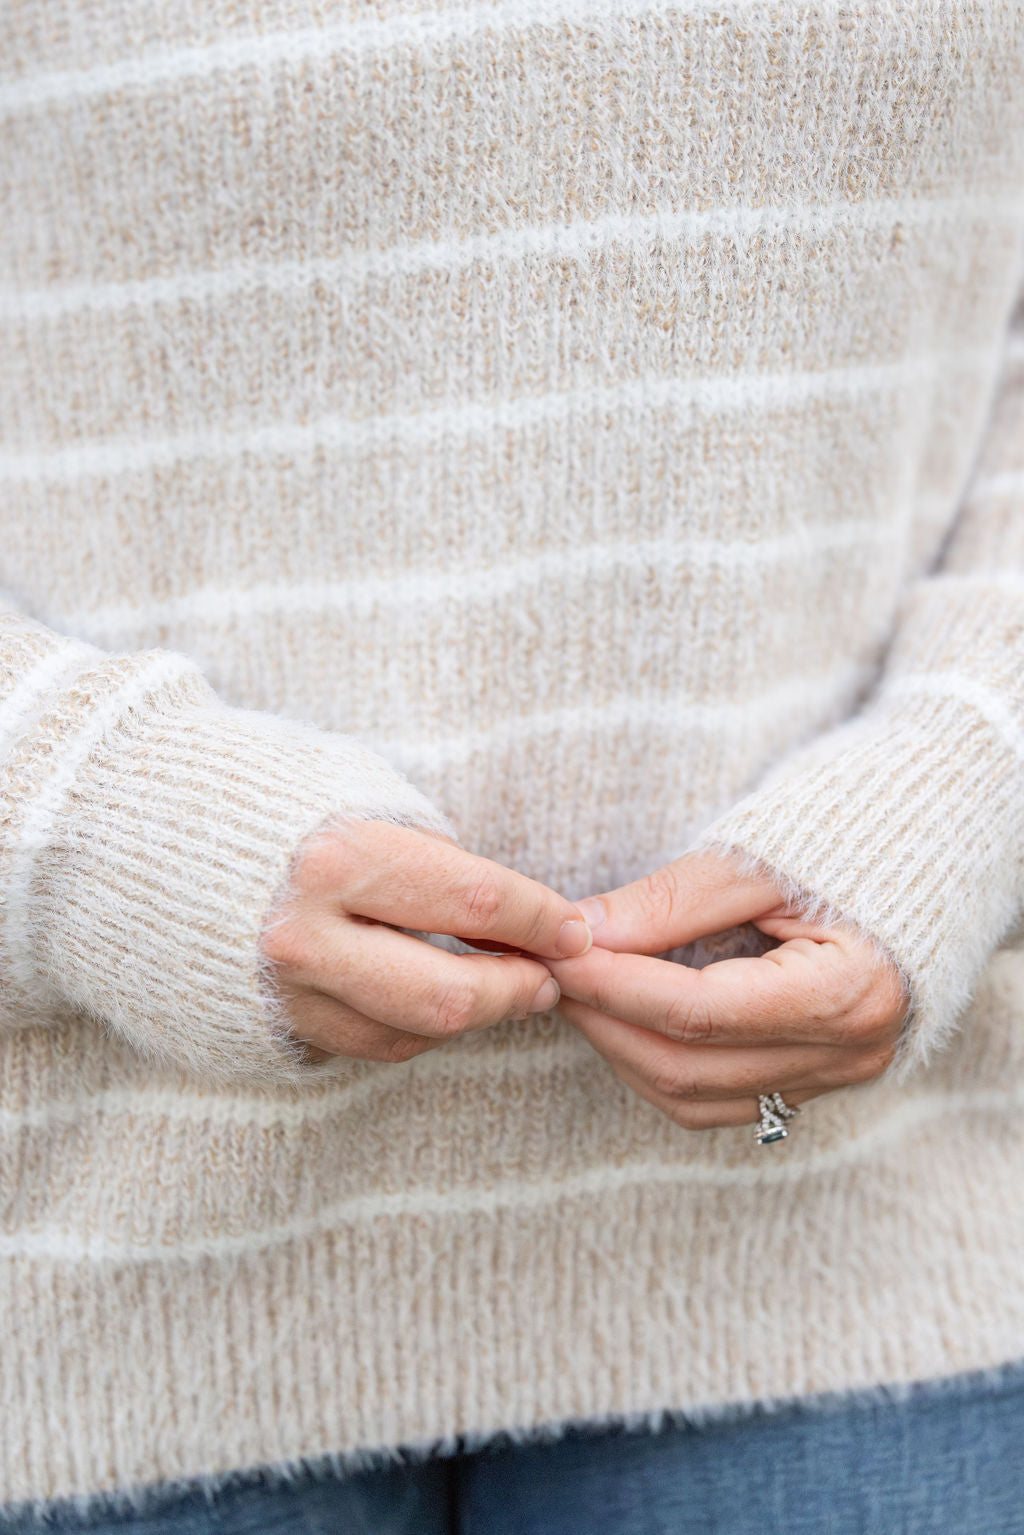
x,y
597,429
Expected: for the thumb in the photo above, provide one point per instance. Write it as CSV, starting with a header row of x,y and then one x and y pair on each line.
x,y
698,894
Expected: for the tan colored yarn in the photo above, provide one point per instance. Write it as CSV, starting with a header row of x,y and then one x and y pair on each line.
x,y
595,427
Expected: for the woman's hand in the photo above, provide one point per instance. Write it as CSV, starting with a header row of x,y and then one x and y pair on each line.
x,y
823,1010
355,986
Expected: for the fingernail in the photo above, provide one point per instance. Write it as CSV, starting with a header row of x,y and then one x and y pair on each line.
x,y
574,939
547,996
593,910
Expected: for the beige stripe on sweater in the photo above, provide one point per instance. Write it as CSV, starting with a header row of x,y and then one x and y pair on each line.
x,y
598,428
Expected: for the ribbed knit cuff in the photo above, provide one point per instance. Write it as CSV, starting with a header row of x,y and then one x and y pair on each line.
x,y
167,839
907,824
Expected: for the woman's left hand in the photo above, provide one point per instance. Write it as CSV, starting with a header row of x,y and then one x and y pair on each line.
x,y
822,1010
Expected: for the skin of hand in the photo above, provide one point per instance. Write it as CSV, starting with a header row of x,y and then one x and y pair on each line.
x,y
821,1011
355,985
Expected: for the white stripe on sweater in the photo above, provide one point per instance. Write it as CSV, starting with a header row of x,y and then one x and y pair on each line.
x,y
978,580
185,1106
550,241
271,50
742,391
469,584
990,486
976,695
24,703
59,1243
679,715
33,834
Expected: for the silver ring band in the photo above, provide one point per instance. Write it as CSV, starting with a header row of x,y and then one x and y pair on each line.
x,y
774,1113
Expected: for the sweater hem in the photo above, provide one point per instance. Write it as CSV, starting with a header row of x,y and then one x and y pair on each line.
x,y
297,1472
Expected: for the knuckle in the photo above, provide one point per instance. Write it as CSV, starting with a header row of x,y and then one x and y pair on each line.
x,y
873,1024
537,923
829,1000
849,1030
657,895
663,1082
481,901
456,1009
689,1088
668,1081
687,1022
886,1006
844,993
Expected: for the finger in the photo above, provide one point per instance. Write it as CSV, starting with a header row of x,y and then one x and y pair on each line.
x,y
711,1115
397,875
698,894
415,986
694,1073
331,1029
732,1002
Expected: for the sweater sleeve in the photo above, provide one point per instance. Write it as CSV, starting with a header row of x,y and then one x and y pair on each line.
x,y
907,821
146,831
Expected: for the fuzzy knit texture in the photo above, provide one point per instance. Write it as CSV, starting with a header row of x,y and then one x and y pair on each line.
x,y
595,429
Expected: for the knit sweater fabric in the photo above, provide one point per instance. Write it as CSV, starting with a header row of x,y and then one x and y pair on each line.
x,y
595,429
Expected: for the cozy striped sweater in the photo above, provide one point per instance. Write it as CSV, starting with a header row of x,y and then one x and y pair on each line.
x,y
596,427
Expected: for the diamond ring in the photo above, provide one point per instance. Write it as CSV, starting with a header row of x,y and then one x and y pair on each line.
x,y
774,1113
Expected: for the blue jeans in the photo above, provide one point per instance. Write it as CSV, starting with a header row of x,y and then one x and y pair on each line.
x,y
948,1459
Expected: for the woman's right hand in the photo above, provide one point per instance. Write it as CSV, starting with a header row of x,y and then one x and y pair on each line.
x,y
355,986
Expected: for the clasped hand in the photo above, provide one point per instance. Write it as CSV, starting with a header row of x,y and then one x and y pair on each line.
x,y
821,1010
